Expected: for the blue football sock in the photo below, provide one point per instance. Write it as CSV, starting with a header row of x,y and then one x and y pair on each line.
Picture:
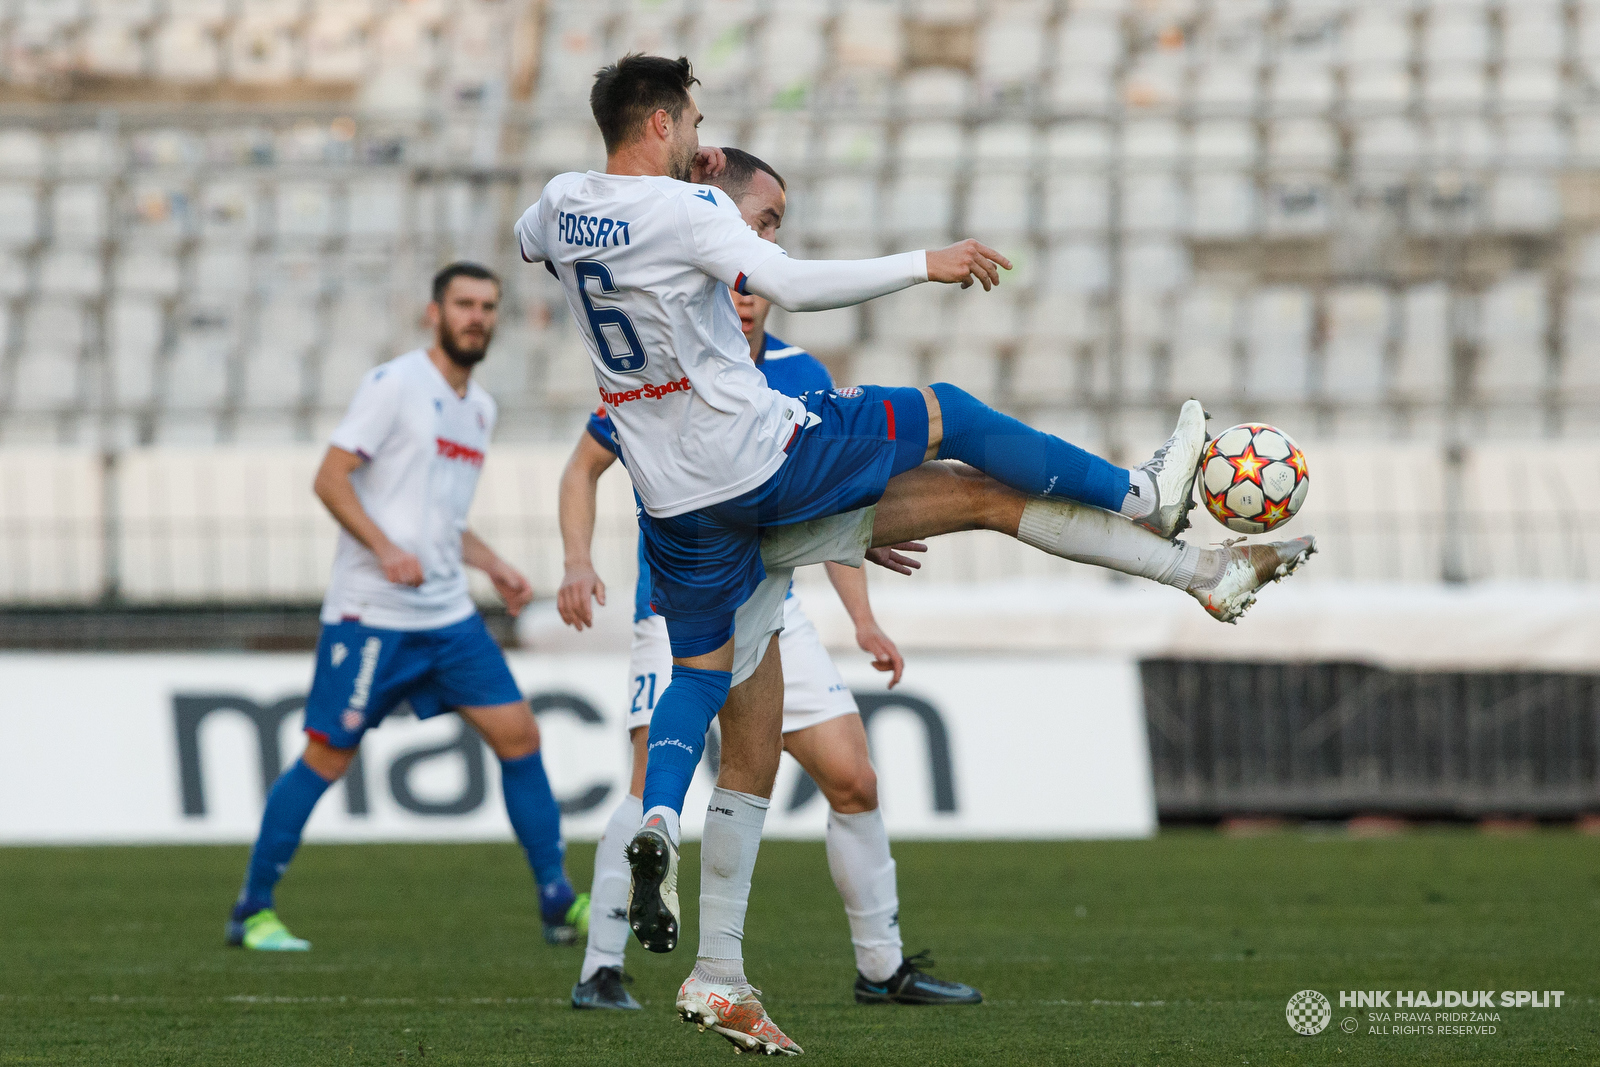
x,y
678,733
536,820
1024,458
289,805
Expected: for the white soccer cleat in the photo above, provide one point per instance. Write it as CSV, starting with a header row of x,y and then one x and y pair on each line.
x,y
736,1013
1229,592
653,891
1173,469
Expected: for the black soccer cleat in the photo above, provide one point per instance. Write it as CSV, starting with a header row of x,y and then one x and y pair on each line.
x,y
653,890
909,985
604,992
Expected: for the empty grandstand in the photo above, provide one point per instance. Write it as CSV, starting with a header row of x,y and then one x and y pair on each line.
x,y
1376,223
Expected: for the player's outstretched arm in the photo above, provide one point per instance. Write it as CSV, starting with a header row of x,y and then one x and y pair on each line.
x,y
579,489
851,585
513,587
821,284
333,488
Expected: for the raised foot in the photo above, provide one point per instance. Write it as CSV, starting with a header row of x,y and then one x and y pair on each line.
x,y
736,1014
1231,589
1173,470
653,891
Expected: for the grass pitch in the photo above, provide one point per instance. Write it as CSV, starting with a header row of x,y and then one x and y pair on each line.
x,y
1181,950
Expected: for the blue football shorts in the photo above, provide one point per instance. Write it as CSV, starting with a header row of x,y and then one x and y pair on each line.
x,y
363,673
705,563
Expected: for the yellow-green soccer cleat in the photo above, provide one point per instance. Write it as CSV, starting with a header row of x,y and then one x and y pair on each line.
x,y
265,932
574,925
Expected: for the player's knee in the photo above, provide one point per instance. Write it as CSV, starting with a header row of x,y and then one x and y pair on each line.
x,y
516,738
854,790
328,762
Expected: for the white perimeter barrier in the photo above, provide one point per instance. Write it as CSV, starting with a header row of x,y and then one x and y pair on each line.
x,y
180,748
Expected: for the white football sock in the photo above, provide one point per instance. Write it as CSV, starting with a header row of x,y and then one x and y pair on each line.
x,y
727,861
608,893
1141,498
1086,534
668,816
858,857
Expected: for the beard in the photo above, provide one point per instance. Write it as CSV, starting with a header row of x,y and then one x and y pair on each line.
x,y
681,164
463,355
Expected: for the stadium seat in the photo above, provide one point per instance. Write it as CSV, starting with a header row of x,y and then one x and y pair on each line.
x,y
1513,361
186,51
374,209
1076,203
70,272
1044,373
1373,86
1226,85
303,209
1010,50
1153,80
973,369
1154,201
1278,345
1156,264
850,144
1224,204
921,205
1355,353
1456,33
1295,85
1204,344
1078,266
1152,143
791,49
917,314
1522,201
998,203
1224,143
1297,204
112,50
335,44
78,213
14,275
135,329
1424,371
819,331
884,363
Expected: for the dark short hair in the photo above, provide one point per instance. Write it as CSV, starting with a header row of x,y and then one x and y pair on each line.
x,y
741,170
634,88
461,269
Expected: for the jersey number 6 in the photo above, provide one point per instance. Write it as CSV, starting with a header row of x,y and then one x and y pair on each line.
x,y
612,329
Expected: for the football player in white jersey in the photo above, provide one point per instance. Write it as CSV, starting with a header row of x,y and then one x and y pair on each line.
x,y
822,726
647,258
398,623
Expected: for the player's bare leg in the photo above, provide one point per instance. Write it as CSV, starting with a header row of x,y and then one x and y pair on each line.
x,y
717,996
943,497
834,753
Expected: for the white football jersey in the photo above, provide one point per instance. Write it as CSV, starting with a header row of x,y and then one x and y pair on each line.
x,y
646,263
424,448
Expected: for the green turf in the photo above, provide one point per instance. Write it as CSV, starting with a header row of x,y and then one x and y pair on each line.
x,y
1181,950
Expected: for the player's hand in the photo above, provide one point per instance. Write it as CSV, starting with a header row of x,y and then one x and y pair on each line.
x,y
709,162
513,587
889,556
578,586
400,566
967,262
885,657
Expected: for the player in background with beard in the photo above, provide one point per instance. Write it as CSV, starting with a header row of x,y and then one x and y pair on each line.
x,y
398,623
